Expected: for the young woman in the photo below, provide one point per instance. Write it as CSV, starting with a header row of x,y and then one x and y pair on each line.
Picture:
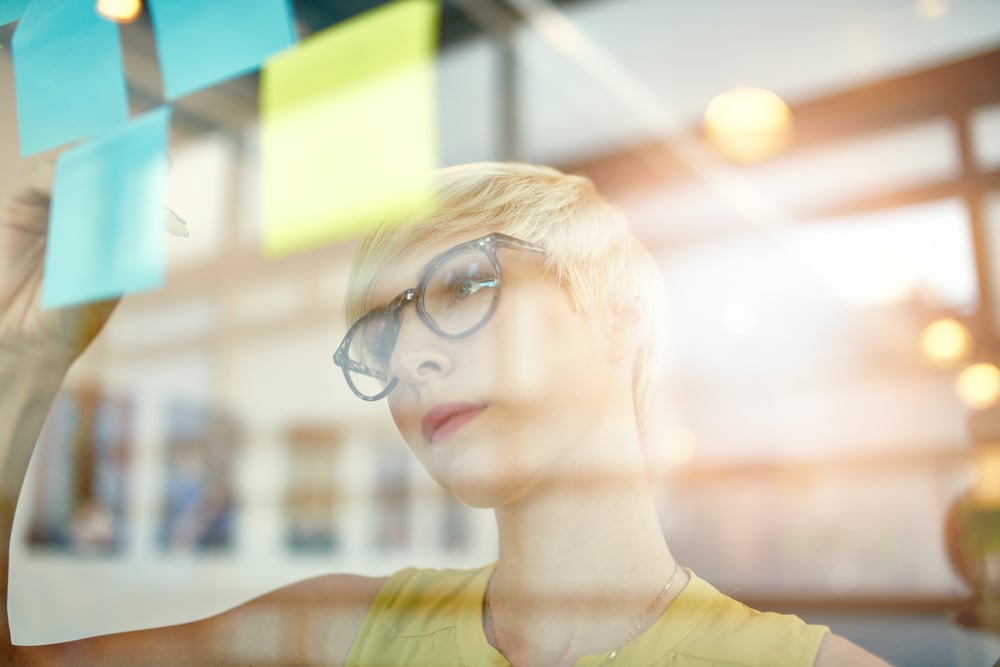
x,y
513,334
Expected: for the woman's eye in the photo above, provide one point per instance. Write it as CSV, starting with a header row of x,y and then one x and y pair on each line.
x,y
459,283
470,286
466,288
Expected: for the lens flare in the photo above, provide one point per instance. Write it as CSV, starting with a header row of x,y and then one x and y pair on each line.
x,y
739,318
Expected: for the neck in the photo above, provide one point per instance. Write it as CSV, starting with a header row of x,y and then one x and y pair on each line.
x,y
581,559
596,538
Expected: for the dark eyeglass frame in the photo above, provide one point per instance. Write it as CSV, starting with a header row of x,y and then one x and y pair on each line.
x,y
488,245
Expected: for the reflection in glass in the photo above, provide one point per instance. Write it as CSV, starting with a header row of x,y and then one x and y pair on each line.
x,y
392,499
83,474
311,499
199,508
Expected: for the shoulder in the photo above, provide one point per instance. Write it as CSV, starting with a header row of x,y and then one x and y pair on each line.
x,y
775,639
424,612
835,651
431,582
722,629
434,593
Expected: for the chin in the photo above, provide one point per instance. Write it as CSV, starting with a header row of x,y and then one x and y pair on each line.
x,y
488,486
475,480
478,468
482,494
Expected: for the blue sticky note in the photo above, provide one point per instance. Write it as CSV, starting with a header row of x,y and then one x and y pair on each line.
x,y
68,74
203,42
107,223
11,10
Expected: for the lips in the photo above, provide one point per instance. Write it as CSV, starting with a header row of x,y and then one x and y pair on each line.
x,y
443,420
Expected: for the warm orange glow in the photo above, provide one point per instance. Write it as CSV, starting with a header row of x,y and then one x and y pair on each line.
x,y
680,445
932,10
987,488
946,342
748,124
120,11
979,385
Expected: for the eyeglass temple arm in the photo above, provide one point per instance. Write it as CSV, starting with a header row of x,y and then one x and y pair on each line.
x,y
355,367
513,242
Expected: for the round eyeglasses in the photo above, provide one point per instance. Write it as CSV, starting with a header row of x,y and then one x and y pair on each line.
x,y
457,294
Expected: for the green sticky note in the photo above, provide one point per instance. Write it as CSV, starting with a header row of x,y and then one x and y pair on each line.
x,y
348,133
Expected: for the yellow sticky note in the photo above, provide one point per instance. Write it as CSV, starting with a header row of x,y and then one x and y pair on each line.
x,y
348,133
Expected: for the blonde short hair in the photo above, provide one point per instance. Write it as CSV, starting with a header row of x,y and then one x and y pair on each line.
x,y
589,247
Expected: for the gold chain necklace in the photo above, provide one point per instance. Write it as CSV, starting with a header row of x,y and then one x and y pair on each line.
x,y
614,652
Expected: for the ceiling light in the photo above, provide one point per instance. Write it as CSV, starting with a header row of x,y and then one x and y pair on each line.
x,y
748,124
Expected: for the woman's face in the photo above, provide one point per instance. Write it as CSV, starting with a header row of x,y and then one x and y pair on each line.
x,y
511,406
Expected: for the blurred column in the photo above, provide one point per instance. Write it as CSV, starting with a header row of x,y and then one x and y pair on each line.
x,y
496,19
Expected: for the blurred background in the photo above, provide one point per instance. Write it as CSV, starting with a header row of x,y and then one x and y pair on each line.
x,y
820,182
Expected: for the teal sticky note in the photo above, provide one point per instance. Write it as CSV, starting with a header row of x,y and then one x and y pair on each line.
x,y
11,10
68,74
203,42
107,223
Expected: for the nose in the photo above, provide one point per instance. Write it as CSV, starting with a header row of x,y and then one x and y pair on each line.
x,y
419,354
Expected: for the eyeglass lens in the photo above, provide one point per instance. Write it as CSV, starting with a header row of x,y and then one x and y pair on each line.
x,y
369,352
457,296
459,293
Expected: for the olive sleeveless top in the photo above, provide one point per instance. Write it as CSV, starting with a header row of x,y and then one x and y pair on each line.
x,y
424,618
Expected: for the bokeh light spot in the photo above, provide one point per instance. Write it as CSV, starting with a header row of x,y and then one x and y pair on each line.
x,y
120,11
979,385
946,342
748,124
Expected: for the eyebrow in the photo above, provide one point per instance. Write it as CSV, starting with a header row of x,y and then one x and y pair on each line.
x,y
383,303
366,301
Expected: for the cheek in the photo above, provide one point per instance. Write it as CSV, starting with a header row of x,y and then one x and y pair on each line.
x,y
524,350
525,345
543,346
405,415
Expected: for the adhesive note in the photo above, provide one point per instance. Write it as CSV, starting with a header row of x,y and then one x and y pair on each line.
x,y
68,74
11,10
106,224
348,133
204,42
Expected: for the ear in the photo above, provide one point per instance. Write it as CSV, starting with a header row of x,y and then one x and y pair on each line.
x,y
626,330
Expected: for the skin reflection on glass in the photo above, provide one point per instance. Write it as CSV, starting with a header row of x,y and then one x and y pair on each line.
x,y
537,414
538,382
